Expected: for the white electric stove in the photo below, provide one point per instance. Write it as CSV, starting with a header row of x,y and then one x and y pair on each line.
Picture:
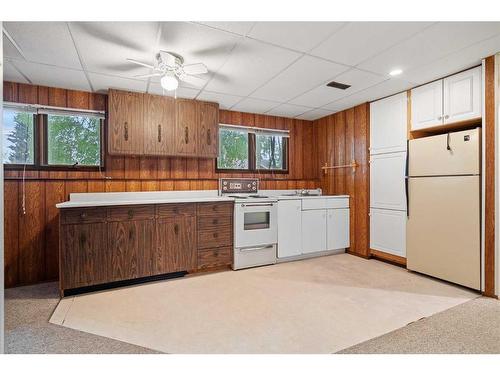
x,y
255,222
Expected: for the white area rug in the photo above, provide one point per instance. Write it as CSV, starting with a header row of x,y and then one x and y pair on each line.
x,y
319,305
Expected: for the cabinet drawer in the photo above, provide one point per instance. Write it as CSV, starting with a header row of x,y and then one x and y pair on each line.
x,y
211,258
131,213
215,208
214,222
216,237
166,210
337,203
83,215
313,204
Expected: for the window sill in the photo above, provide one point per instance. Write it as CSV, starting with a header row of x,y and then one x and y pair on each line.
x,y
254,171
31,167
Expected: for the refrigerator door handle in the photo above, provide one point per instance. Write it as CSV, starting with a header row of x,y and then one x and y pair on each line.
x,y
448,142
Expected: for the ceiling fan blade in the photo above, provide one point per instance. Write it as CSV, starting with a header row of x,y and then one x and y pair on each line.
x,y
149,75
195,68
192,80
141,63
167,58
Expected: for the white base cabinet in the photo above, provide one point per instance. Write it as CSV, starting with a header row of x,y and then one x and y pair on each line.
x,y
388,231
289,228
337,226
314,229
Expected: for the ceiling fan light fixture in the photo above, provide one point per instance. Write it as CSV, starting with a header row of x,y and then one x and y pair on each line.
x,y
169,83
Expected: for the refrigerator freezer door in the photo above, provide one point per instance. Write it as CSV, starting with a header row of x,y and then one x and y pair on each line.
x,y
443,230
456,153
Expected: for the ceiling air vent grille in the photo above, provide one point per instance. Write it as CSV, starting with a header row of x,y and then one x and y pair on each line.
x,y
338,85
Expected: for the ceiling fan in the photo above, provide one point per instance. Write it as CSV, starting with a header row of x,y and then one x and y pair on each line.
x,y
170,67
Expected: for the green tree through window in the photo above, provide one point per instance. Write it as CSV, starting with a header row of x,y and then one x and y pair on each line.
x,y
18,137
73,140
233,146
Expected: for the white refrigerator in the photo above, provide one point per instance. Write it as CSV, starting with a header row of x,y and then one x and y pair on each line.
x,y
444,200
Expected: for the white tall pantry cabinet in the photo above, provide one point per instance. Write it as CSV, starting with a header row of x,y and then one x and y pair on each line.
x,y
388,149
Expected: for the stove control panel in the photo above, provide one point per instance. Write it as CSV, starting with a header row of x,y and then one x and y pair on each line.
x,y
238,185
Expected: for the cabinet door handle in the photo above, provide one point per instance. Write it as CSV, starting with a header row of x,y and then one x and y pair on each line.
x,y
159,132
176,229
440,118
83,215
130,214
446,117
125,133
186,135
209,137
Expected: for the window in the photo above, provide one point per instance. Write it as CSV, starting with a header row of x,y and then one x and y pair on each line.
x,y
252,149
233,149
18,136
44,138
73,140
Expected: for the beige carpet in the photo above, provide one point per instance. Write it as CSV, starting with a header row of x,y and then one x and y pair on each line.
x,y
319,305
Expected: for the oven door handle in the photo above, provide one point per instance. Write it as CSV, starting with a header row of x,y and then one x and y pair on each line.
x,y
256,248
257,205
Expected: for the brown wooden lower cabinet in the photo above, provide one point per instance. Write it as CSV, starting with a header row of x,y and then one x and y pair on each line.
x,y
176,244
108,244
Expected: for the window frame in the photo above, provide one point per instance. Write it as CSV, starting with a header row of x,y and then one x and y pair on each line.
x,y
252,159
40,149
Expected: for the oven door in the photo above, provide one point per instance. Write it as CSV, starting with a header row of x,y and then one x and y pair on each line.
x,y
255,224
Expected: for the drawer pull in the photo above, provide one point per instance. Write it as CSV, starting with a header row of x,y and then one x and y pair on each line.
x,y
130,214
83,215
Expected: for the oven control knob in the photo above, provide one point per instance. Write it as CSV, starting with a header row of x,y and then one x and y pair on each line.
x,y
254,183
224,183
242,205
249,186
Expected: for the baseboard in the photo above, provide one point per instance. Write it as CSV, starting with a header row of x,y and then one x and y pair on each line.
x,y
386,257
311,255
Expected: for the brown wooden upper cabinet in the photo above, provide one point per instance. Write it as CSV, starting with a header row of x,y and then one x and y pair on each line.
x,y
159,125
208,137
144,124
125,129
186,112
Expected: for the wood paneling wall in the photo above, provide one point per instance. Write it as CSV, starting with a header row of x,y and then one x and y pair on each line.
x,y
341,138
489,197
31,238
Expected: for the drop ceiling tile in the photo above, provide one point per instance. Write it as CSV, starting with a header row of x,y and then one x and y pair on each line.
x,y
254,105
455,62
300,36
102,82
182,92
9,50
322,95
47,75
198,44
358,41
241,28
303,75
315,114
105,46
383,89
431,44
11,74
225,101
288,110
45,42
249,66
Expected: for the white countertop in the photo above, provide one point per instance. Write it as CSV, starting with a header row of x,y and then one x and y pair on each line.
x,y
159,197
